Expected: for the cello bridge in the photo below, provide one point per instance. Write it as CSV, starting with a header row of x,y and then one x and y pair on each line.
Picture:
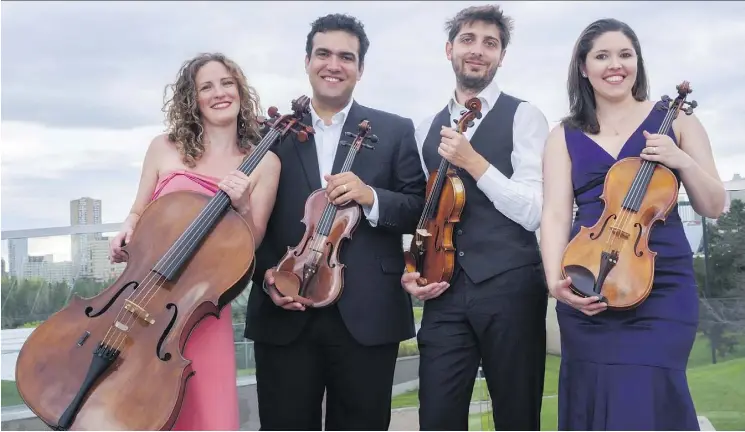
x,y
138,312
620,233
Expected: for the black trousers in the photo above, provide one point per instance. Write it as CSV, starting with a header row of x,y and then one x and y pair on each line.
x,y
291,379
502,323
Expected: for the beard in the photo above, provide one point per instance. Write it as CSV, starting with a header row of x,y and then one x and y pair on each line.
x,y
471,82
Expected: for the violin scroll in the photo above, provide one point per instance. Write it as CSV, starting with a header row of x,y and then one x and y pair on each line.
x,y
363,135
680,104
285,124
472,111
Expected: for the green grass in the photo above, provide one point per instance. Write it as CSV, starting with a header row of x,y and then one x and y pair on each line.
x,y
418,310
718,390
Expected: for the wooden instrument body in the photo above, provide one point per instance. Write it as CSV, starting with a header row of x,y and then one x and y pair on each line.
x,y
629,281
432,252
324,287
143,389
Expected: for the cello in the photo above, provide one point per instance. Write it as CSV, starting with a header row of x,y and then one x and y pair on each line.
x,y
431,252
612,258
310,272
115,361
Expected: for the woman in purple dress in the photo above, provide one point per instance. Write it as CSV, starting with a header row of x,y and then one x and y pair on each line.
x,y
623,370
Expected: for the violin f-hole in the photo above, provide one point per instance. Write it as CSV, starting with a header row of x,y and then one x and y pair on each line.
x,y
594,236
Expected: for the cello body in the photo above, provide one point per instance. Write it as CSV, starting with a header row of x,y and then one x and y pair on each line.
x,y
612,259
438,263
325,287
144,386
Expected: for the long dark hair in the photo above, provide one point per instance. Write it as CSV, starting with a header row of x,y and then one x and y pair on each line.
x,y
581,94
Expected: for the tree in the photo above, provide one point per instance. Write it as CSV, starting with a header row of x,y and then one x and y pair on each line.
x,y
722,313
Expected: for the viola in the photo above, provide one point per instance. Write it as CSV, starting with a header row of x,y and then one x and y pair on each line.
x,y
311,272
432,252
115,361
612,258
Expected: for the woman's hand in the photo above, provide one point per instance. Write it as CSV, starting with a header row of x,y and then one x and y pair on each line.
x,y
588,305
115,244
235,184
662,149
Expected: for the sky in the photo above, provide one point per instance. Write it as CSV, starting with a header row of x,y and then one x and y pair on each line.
x,y
82,82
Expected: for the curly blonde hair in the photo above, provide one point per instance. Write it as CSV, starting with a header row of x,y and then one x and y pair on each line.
x,y
183,119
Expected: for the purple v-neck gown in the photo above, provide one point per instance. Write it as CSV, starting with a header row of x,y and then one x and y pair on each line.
x,y
627,370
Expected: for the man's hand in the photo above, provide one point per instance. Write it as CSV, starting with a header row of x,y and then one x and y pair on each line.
x,y
427,292
457,150
285,302
346,186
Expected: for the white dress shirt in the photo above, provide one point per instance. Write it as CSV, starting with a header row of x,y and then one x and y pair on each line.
x,y
327,139
519,197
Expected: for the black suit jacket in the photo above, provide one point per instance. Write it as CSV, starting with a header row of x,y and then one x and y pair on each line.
x,y
373,305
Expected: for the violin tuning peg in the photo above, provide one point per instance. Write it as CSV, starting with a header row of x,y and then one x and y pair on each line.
x,y
478,115
373,139
470,124
350,135
463,112
455,121
344,143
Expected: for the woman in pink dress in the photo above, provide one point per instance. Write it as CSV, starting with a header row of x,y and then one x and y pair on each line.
x,y
212,121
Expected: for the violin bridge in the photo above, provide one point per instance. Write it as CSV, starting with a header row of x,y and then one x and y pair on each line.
x,y
620,233
138,311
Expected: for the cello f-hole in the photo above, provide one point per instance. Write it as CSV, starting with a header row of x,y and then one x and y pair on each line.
x,y
89,310
164,335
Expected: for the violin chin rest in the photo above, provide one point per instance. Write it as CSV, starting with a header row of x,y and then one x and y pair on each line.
x,y
287,283
583,281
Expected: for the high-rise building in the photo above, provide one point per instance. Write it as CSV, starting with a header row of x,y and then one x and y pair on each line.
x,y
84,211
17,256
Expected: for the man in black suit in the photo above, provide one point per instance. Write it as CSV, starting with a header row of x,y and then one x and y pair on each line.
x,y
349,349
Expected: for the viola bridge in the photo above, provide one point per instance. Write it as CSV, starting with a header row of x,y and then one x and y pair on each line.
x,y
138,312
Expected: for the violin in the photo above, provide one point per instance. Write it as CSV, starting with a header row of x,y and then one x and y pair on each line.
x,y
612,258
432,252
115,361
310,272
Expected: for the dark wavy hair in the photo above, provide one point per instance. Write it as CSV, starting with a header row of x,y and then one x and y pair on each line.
x,y
582,110
184,121
490,14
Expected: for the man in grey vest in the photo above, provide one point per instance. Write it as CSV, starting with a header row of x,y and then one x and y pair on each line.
x,y
493,310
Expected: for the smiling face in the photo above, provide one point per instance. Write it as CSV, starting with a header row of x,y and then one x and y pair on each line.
x,y
611,66
333,66
476,53
218,95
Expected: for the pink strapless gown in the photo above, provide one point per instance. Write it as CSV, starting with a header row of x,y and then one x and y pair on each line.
x,y
211,399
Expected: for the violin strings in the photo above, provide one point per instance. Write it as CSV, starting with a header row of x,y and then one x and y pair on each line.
x,y
150,281
329,213
636,190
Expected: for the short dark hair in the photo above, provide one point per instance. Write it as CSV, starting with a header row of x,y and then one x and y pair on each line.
x,y
582,114
490,14
334,22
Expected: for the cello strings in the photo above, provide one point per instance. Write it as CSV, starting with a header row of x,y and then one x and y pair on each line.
x,y
212,208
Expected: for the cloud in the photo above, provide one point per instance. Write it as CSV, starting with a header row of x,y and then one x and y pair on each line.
x,y
83,82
